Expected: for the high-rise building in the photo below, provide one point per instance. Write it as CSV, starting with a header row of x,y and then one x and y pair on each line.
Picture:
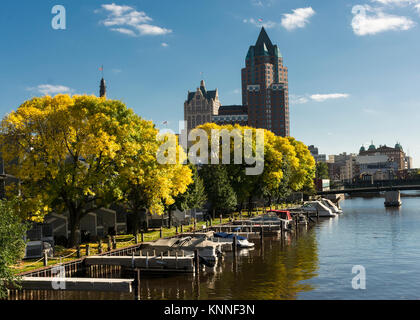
x,y
265,87
265,99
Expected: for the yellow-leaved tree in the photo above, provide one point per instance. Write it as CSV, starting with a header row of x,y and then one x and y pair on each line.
x,y
287,164
74,155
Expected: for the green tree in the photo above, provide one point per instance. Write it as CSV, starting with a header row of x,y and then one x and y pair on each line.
x,y
195,196
284,189
12,245
220,193
322,170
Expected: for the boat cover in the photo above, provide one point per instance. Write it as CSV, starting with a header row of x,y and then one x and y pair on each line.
x,y
228,236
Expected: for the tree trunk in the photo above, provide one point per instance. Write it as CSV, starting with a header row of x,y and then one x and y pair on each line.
x,y
169,218
135,221
74,227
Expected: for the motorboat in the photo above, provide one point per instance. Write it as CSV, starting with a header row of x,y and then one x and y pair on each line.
x,y
223,237
274,217
329,204
207,250
315,208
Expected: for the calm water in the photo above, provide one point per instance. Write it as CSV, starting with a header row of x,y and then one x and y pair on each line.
x,y
317,264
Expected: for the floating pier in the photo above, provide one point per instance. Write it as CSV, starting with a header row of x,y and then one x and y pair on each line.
x,y
77,284
159,263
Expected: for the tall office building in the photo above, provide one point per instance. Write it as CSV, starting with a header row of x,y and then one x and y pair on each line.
x,y
265,87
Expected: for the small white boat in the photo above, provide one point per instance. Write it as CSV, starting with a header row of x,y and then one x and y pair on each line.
x,y
329,204
222,237
317,207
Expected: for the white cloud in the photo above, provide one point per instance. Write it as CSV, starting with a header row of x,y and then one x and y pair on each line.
x,y
369,111
262,3
396,2
128,21
417,6
164,44
369,21
296,99
237,91
124,31
301,99
49,89
298,19
324,97
266,24
147,29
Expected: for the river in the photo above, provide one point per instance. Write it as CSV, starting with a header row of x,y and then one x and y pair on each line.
x,y
315,264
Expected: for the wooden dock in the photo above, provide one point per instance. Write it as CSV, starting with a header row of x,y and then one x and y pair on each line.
x,y
77,284
250,231
146,263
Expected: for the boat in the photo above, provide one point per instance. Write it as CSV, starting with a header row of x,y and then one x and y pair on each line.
x,y
228,238
329,204
315,208
282,217
207,250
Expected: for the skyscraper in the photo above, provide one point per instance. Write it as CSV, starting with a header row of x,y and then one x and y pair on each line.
x,y
265,87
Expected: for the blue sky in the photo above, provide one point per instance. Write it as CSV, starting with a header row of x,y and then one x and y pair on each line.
x,y
354,67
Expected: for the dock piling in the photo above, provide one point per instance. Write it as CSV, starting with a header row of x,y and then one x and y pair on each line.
x,y
114,243
45,258
100,246
235,245
137,285
197,262
109,244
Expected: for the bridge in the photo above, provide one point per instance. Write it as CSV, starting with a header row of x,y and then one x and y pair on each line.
x,y
370,189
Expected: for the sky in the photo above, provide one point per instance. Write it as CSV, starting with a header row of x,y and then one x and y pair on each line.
x,y
354,66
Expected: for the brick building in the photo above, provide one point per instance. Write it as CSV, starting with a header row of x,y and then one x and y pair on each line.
x,y
395,154
231,115
265,100
265,87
